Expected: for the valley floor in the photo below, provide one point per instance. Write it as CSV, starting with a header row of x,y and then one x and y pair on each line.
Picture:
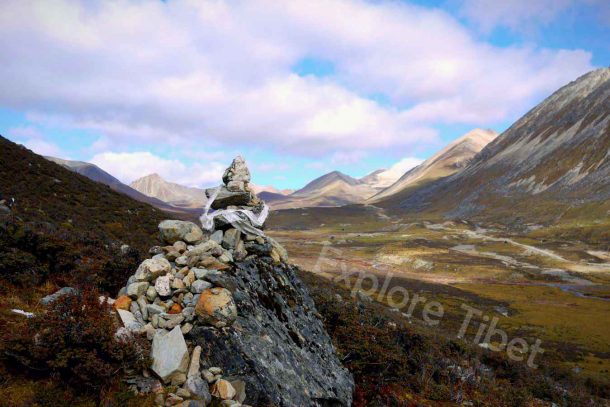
x,y
538,287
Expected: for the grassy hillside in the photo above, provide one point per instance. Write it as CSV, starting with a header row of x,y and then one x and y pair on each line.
x,y
396,363
45,192
63,230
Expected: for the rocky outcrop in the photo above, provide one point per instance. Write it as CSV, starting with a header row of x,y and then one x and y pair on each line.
x,y
278,345
230,301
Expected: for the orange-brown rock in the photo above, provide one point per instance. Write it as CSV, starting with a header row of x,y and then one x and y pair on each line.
x,y
216,307
211,263
175,309
123,302
223,390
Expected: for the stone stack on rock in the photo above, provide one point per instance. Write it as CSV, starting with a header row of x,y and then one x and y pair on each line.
x,y
230,323
236,203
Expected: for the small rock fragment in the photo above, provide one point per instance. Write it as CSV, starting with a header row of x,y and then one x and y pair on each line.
x,y
162,286
123,302
223,390
135,290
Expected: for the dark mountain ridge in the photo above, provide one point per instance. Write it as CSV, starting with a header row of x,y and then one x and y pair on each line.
x,y
95,173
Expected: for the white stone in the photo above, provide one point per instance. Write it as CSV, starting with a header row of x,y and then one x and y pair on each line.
x,y
129,320
152,268
163,286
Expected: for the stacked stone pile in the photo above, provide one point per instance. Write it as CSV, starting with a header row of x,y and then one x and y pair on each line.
x,y
229,321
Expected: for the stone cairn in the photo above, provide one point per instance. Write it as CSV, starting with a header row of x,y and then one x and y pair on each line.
x,y
177,289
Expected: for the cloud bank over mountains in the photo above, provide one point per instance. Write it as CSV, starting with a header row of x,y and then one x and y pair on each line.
x,y
219,74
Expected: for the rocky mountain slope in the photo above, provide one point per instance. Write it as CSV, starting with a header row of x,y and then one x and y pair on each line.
x,y
332,189
258,189
155,186
448,161
180,196
552,163
95,173
337,189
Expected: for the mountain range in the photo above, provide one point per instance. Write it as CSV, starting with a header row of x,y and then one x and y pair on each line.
x,y
95,173
155,186
552,163
337,189
181,196
332,189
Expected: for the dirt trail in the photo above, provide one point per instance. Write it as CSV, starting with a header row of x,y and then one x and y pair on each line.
x,y
529,249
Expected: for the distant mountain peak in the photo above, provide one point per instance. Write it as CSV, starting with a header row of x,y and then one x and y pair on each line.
x,y
156,186
153,176
554,157
447,161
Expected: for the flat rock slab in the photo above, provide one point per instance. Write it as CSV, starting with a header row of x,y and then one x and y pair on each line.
x,y
169,354
49,299
227,198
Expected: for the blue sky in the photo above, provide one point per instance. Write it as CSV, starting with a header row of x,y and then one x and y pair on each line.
x,y
298,88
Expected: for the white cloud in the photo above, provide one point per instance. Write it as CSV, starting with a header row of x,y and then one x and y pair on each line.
x,y
347,157
401,167
189,74
43,147
128,167
33,139
392,174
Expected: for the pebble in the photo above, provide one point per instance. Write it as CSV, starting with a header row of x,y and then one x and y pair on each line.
x,y
223,390
215,370
151,294
200,286
123,302
208,376
135,290
186,328
162,286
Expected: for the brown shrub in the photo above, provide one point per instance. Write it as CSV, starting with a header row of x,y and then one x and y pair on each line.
x,y
75,339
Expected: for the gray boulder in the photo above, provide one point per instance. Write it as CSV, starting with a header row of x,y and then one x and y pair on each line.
x,y
217,236
231,239
53,297
152,268
203,248
129,320
199,286
172,231
135,290
194,382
